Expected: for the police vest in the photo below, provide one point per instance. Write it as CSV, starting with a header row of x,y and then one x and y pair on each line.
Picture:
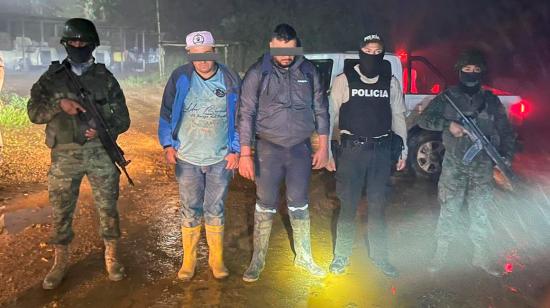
x,y
367,113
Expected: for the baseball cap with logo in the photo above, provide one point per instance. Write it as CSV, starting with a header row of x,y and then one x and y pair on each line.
x,y
371,38
199,38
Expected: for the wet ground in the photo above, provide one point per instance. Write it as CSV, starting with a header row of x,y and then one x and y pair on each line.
x,y
151,248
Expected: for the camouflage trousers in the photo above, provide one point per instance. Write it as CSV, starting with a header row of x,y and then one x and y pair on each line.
x,y
70,162
465,185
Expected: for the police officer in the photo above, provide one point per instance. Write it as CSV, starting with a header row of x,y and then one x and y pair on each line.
x,y
366,106
464,183
76,149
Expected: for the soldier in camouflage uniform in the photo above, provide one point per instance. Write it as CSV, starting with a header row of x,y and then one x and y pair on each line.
x,y
76,150
461,183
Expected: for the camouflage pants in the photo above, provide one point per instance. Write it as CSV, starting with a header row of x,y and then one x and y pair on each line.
x,y
69,165
465,185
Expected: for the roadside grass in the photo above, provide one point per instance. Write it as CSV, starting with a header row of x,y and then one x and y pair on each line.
x,y
13,111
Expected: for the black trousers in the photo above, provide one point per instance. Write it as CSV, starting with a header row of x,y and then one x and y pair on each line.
x,y
357,163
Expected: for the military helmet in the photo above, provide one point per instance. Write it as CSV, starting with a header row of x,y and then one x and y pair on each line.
x,y
471,57
80,29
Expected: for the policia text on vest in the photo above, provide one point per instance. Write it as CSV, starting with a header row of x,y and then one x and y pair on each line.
x,y
369,93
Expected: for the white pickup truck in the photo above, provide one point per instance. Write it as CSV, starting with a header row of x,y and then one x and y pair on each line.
x,y
425,147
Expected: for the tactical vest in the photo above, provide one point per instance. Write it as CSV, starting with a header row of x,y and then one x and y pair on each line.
x,y
64,128
481,108
367,113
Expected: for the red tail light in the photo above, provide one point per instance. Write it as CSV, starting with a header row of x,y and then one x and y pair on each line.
x,y
403,56
519,110
436,88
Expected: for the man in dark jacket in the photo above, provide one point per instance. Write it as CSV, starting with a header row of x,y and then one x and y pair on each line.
x,y
282,104
467,183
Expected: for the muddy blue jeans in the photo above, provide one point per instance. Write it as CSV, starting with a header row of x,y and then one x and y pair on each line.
x,y
358,162
275,164
202,192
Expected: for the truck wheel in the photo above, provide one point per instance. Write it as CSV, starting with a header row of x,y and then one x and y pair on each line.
x,y
426,154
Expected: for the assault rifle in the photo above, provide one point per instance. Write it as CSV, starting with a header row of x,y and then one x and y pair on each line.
x,y
94,119
482,143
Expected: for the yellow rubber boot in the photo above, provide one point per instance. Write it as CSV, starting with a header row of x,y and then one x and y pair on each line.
x,y
190,240
214,237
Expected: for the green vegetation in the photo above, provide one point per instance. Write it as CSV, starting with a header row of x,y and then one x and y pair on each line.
x,y
13,110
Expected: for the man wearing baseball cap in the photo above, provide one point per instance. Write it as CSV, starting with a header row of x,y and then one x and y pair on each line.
x,y
366,108
197,132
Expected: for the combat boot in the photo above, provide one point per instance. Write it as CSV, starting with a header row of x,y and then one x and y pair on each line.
x,y
302,244
387,268
345,236
481,260
262,230
439,258
59,269
214,237
339,265
190,241
115,269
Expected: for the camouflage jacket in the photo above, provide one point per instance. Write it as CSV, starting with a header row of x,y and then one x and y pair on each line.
x,y
54,85
486,110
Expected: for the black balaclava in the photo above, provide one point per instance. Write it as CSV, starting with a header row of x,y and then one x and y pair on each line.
x,y
80,54
470,82
370,65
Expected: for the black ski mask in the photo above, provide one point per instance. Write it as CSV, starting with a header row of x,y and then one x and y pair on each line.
x,y
80,54
370,65
470,82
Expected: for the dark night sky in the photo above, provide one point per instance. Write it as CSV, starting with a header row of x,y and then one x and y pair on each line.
x,y
514,33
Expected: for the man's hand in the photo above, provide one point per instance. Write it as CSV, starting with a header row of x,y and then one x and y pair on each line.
x,y
90,133
320,158
232,161
401,164
246,167
246,163
331,165
71,107
170,155
456,129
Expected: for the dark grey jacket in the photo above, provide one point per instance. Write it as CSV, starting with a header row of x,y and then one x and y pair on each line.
x,y
285,106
